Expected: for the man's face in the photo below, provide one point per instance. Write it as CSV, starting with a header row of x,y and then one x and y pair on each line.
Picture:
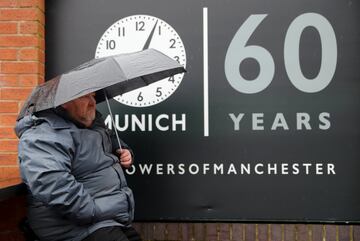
x,y
82,109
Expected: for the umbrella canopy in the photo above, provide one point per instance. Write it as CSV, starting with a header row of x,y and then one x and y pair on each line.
x,y
115,74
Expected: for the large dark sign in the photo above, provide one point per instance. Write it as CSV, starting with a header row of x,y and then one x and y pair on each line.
x,y
265,124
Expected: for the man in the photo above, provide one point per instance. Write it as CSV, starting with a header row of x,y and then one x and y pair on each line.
x,y
72,168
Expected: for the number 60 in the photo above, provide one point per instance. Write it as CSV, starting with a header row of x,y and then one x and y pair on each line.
x,y
238,51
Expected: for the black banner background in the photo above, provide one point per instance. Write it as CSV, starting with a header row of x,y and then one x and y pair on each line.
x,y
73,29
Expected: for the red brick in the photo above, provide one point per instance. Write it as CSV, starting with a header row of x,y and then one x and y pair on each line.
x,y
8,54
41,44
330,232
212,232
237,231
8,119
159,231
7,183
199,231
41,69
8,3
289,232
8,159
41,18
183,231
344,233
30,54
301,232
143,230
171,231
356,232
32,27
262,232
21,14
225,231
9,106
32,3
276,232
9,80
29,27
8,145
250,232
30,80
34,54
42,57
15,93
7,133
19,41
20,68
42,5
150,229
318,232
9,172
8,28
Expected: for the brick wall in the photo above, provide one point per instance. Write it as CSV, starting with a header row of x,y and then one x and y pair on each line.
x,y
22,67
247,232
22,59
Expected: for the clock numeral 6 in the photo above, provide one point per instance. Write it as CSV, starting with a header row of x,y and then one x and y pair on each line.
x,y
140,97
238,51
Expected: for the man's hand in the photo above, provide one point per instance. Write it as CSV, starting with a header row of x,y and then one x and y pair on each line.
x,y
125,158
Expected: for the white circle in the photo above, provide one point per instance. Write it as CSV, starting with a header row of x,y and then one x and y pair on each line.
x,y
138,32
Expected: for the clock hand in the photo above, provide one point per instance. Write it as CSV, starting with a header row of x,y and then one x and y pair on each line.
x,y
147,43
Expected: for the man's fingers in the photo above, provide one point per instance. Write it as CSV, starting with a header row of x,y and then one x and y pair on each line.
x,y
125,157
125,160
125,154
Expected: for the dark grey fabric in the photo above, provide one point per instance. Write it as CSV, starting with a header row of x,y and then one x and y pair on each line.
x,y
76,184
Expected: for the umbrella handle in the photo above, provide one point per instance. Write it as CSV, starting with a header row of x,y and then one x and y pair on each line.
x,y
112,120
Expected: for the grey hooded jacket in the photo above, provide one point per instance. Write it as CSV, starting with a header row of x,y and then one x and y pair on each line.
x,y
76,184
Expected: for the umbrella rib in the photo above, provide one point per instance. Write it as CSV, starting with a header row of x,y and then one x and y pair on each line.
x,y
118,65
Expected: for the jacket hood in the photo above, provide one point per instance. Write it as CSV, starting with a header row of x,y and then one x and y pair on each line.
x,y
55,120
24,124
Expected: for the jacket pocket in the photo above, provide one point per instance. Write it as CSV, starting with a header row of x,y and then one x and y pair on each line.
x,y
120,174
112,207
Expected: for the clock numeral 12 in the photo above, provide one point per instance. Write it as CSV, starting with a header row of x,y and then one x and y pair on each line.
x,y
140,26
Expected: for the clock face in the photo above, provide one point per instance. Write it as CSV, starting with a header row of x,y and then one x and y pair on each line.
x,y
139,32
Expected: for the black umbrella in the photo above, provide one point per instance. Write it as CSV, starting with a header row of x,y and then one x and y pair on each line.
x,y
108,77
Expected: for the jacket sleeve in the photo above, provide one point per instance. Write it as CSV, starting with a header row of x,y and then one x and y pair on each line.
x,y
45,165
